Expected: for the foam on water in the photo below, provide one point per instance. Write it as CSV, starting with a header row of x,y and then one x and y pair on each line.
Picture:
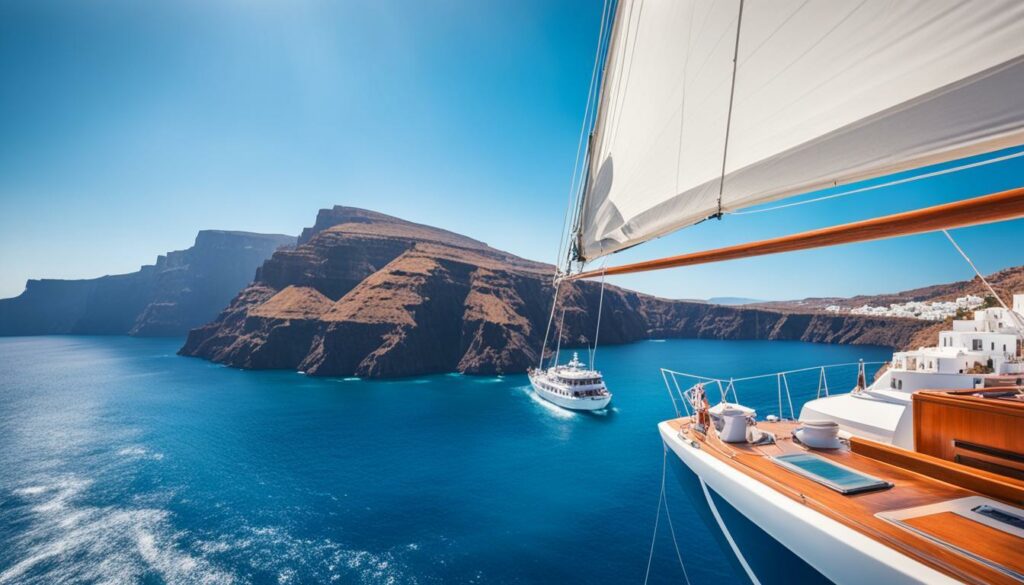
x,y
137,452
549,407
71,542
607,411
276,551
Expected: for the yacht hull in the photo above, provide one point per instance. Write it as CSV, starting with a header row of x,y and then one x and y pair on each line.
x,y
775,539
587,403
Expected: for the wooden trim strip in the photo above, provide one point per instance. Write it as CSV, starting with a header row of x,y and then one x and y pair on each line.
x,y
964,399
977,480
1001,206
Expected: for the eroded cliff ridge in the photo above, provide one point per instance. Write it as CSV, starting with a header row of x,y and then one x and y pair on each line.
x,y
182,290
366,294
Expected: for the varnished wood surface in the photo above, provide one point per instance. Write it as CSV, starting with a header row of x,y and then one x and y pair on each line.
x,y
855,511
977,480
941,418
979,210
970,535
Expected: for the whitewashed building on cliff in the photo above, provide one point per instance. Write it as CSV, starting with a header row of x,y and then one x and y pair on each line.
x,y
973,353
988,343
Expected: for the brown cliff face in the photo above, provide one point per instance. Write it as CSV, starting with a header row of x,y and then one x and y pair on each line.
x,y
370,295
184,289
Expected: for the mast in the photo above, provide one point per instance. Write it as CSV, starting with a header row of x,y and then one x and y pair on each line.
x,y
607,45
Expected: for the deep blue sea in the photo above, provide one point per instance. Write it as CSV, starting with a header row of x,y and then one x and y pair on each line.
x,y
121,462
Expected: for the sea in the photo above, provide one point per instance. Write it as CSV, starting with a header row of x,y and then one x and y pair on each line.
x,y
121,462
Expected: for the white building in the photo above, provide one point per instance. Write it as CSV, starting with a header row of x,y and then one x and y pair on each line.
x,y
926,310
985,348
986,344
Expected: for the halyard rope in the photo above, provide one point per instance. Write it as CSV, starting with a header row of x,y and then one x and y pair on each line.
x,y
600,306
728,119
1013,315
551,317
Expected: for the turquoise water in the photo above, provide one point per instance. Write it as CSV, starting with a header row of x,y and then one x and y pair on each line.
x,y
122,462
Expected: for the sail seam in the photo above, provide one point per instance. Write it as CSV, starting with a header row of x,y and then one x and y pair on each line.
x,y
682,106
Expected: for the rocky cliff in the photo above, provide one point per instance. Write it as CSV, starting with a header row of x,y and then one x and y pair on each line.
x,y
183,290
370,295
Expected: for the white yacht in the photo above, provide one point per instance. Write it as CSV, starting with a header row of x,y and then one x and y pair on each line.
x,y
571,386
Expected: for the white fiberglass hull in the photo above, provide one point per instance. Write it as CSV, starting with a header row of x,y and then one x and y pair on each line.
x,y
774,537
582,403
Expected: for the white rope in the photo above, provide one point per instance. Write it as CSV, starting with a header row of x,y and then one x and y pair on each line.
x,y
1013,315
558,347
672,530
657,517
663,501
882,185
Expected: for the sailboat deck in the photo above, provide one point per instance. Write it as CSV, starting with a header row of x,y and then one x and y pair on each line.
x,y
914,537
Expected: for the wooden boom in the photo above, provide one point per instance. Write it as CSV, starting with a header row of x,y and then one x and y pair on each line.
x,y
979,210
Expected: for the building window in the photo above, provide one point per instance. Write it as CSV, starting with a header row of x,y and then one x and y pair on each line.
x,y
976,344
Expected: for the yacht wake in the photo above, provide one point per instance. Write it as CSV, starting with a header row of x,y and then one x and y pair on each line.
x,y
553,409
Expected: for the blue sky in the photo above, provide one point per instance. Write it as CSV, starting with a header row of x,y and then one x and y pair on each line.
x,y
129,126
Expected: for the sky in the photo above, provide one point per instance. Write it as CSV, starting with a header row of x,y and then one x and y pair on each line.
x,y
126,127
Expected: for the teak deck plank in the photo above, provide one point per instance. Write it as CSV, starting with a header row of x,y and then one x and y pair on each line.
x,y
855,511
972,536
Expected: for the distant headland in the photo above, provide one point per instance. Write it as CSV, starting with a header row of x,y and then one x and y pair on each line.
x,y
182,290
365,294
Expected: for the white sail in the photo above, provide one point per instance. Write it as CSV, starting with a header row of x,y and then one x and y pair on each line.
x,y
826,92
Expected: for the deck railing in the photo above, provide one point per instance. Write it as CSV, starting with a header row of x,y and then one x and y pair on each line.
x,y
679,391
